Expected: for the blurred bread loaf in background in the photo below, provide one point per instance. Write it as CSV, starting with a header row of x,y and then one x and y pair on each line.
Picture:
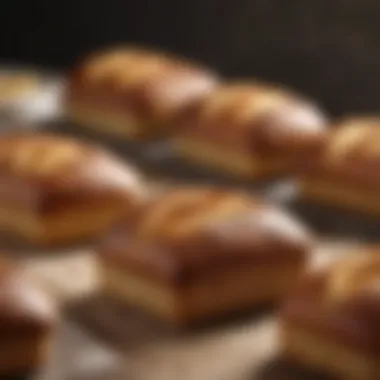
x,y
250,129
134,93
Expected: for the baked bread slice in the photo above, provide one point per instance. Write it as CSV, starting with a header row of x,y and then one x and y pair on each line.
x,y
57,190
192,254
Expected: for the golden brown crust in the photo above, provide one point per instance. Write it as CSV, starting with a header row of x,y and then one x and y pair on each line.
x,y
56,169
341,304
26,312
190,232
146,88
45,176
349,157
260,120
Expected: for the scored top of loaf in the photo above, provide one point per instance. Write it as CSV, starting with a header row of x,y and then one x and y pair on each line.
x,y
145,83
350,154
189,231
39,167
261,117
354,138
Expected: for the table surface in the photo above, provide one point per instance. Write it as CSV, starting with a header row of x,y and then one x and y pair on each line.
x,y
99,340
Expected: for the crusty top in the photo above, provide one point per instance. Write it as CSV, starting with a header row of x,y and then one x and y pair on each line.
x,y
257,117
25,310
149,85
354,138
188,232
350,153
342,300
46,170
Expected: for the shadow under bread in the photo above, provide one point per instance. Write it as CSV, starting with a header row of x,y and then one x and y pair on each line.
x,y
135,150
331,221
17,377
281,369
21,247
126,326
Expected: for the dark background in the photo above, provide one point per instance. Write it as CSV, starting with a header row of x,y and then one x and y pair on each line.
x,y
329,49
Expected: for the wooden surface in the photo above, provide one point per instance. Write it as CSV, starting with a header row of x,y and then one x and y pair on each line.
x,y
100,340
